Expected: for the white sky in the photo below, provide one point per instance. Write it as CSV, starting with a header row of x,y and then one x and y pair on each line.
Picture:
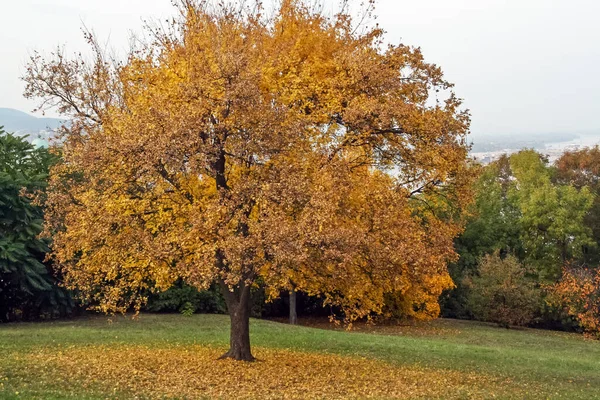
x,y
522,66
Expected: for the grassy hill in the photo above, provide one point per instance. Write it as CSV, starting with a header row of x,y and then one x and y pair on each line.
x,y
173,356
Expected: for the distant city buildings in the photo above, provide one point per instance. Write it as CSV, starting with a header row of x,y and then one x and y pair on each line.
x,y
553,151
39,139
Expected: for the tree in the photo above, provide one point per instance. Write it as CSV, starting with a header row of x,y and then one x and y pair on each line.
x,y
581,169
500,292
237,149
26,287
493,225
552,216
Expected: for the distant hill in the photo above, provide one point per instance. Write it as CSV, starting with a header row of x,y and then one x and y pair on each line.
x,y
18,121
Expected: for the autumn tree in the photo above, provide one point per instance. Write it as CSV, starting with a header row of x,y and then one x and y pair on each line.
x,y
235,148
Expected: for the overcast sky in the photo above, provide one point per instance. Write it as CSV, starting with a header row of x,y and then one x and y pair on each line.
x,y
522,66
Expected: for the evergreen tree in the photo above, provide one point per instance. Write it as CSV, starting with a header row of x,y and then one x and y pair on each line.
x,y
26,284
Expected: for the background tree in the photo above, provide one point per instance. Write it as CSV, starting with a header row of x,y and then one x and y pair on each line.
x,y
500,292
27,289
581,169
552,216
493,226
235,149
293,306
521,208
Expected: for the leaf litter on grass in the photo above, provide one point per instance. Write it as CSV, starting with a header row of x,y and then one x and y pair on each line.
x,y
194,372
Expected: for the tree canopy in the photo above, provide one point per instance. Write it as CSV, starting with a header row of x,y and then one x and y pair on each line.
x,y
538,213
552,215
581,169
237,148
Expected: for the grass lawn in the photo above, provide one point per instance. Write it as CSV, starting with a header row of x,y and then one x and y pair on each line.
x,y
173,356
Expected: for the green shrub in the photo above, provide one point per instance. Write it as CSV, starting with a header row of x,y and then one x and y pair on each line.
x,y
501,292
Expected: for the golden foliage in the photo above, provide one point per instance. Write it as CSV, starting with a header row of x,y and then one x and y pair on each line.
x,y
236,147
192,372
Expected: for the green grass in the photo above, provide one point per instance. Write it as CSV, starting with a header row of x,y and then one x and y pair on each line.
x,y
559,365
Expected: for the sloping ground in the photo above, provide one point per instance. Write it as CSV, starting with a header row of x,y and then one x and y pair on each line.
x,y
172,356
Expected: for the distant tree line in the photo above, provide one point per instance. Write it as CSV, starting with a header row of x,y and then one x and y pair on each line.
x,y
534,230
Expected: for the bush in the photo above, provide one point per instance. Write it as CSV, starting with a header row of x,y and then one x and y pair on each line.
x,y
187,300
500,292
578,292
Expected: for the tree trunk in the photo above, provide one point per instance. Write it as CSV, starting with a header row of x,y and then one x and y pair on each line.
x,y
238,299
238,306
239,335
293,312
